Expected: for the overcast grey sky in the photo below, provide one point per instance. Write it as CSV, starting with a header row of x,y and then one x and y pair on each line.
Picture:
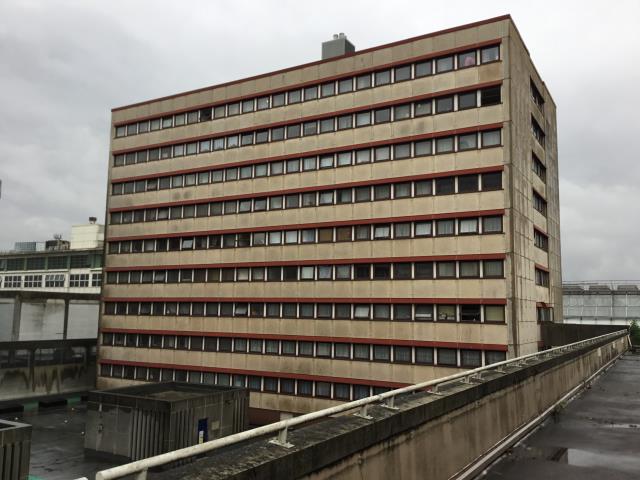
x,y
64,64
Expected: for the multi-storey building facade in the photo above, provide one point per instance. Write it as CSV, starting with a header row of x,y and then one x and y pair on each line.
x,y
50,290
322,232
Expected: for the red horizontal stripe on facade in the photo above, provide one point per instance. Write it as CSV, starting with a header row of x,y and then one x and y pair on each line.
x,y
542,267
295,226
357,146
314,188
268,336
542,305
319,62
308,118
342,261
380,300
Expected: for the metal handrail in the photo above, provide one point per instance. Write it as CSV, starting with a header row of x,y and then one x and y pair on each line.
x,y
280,429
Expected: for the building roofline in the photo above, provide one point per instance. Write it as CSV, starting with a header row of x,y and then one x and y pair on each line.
x,y
319,62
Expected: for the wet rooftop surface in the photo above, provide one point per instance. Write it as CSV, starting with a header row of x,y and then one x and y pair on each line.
x,y
597,436
57,443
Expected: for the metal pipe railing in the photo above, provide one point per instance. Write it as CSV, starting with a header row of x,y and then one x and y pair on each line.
x,y
280,429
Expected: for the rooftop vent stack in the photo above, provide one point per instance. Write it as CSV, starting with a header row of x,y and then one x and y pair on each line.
x,y
92,220
337,47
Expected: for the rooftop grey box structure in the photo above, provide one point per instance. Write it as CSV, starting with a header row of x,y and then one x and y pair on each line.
x,y
15,450
136,422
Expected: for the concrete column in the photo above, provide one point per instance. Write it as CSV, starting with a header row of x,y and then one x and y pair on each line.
x,y
65,326
17,312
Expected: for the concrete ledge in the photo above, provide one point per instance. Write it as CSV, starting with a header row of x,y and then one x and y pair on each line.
x,y
430,436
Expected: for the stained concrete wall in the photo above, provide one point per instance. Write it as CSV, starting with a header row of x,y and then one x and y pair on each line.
x,y
42,318
429,436
442,447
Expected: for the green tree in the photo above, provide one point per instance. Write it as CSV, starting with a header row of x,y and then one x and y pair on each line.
x,y
634,331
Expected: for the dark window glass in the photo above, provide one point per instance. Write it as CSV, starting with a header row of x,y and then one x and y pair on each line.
x,y
444,64
444,104
445,185
490,96
423,69
467,183
492,181
467,100
402,73
383,77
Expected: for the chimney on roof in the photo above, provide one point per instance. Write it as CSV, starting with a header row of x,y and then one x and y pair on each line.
x,y
92,220
337,47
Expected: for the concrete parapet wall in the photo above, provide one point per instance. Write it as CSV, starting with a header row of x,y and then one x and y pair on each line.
x,y
429,436
441,447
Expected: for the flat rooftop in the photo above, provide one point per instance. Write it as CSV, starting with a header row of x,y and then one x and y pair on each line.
x,y
597,436
57,443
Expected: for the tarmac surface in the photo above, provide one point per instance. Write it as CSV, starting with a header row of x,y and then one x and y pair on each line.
x,y
597,435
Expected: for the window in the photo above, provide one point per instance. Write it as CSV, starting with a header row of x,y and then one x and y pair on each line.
x,y
447,357
536,96
310,93
539,203
383,77
467,226
444,104
424,313
402,354
402,73
345,85
382,115
424,355
492,181
423,69
294,96
490,54
467,183
445,185
363,118
494,313
470,358
540,240
422,108
494,357
56,280
492,224
444,64
446,270
544,314
537,131
493,269
401,112
469,269
467,100
538,167
490,96
363,81
542,277
466,59
381,353
33,281
446,313
470,313
78,280
468,141
444,145
491,138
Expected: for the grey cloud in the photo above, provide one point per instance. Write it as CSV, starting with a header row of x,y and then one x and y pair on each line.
x,y
65,64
